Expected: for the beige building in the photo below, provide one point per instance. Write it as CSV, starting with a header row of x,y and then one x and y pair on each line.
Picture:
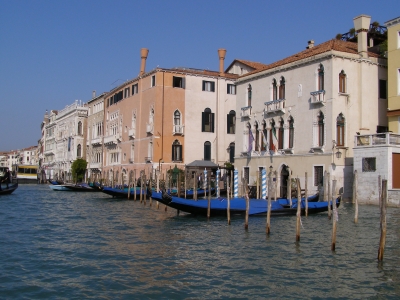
x,y
169,117
393,55
300,114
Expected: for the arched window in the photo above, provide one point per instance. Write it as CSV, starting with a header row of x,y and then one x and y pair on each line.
x,y
291,132
231,122
249,95
321,134
257,138
80,131
79,151
282,88
232,152
321,77
177,122
207,124
274,90
340,130
281,134
207,151
342,82
176,151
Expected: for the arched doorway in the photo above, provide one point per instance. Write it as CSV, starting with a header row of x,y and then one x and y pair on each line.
x,y
284,180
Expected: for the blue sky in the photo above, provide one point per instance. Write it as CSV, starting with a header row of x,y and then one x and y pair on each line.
x,y
53,52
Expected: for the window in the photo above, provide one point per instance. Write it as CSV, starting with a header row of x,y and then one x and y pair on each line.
x,y
134,89
318,175
232,152
178,82
342,82
282,88
249,94
207,124
264,142
118,96
257,138
79,151
246,174
291,132
321,78
274,90
176,151
369,164
126,92
272,136
340,130
80,132
207,151
281,135
208,86
177,122
382,89
153,80
231,89
231,122
321,136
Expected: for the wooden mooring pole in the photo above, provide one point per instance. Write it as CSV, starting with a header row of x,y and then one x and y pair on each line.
x,y
383,206
268,229
328,178
209,197
298,214
355,198
306,194
246,221
228,212
335,216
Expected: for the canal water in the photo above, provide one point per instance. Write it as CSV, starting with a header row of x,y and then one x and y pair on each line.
x,y
68,245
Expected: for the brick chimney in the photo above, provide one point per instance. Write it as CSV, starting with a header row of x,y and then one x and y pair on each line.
x,y
143,54
310,44
221,54
361,25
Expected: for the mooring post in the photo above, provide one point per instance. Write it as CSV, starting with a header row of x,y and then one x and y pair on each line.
x,y
328,178
276,185
355,198
269,203
335,216
383,206
306,194
129,187
324,184
134,184
289,188
246,222
228,212
209,198
298,214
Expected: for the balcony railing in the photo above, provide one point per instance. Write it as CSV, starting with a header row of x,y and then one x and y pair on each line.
x,y
318,97
275,106
111,139
379,139
245,112
177,130
132,132
96,141
94,165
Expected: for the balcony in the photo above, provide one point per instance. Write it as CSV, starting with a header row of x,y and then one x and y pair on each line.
x,y
379,139
177,129
96,141
147,159
149,128
245,112
275,106
119,137
132,133
318,97
111,139
95,165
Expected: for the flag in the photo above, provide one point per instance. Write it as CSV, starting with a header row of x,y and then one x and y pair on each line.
x,y
251,140
274,139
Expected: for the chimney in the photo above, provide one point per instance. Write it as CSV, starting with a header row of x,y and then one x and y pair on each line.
x,y
361,26
93,94
221,54
310,44
143,54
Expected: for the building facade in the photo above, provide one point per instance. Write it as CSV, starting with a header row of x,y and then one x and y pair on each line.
x,y
300,114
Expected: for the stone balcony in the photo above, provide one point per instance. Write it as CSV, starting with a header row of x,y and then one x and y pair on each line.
x,y
318,97
378,139
177,129
275,106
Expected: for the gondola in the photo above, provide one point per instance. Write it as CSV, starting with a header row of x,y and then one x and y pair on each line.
x,y
11,188
218,206
122,193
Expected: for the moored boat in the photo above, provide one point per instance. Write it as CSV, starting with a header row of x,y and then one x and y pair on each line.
x,y
11,188
122,193
60,187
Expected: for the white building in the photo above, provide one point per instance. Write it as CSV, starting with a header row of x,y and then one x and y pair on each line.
x,y
300,114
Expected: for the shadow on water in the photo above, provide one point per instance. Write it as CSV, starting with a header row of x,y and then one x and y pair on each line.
x,y
74,245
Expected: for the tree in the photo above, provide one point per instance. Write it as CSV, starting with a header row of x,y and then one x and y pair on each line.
x,y
78,169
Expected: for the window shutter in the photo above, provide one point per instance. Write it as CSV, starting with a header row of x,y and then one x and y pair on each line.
x,y
212,86
228,123
179,153
203,121
227,89
204,85
212,123
183,82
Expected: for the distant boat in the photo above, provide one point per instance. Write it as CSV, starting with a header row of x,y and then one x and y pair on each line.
x,y
218,206
60,187
11,188
122,193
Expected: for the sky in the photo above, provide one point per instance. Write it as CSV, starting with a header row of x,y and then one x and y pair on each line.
x,y
55,52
